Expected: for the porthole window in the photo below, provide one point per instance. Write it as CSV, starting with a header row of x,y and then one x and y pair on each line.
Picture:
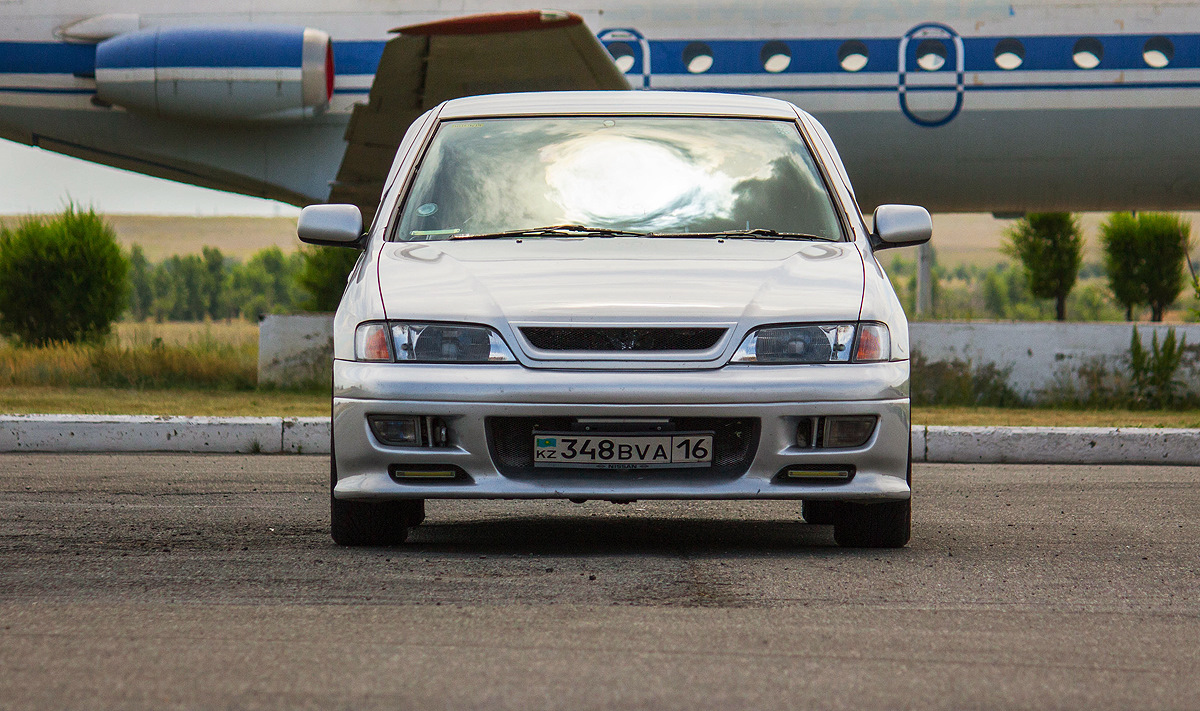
x,y
1010,54
1158,52
852,56
1087,53
775,57
622,55
931,55
697,57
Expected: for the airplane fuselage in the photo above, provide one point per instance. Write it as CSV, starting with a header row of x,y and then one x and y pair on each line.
x,y
972,106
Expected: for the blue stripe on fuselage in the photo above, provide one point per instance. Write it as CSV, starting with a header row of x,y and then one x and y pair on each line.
x,y
820,56
808,56
46,58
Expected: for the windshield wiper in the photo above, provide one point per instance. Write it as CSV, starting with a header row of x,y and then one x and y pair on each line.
x,y
753,233
555,231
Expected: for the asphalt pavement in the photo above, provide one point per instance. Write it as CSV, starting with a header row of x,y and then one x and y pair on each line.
x,y
209,581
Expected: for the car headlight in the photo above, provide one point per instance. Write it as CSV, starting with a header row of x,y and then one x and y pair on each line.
x,y
379,341
817,343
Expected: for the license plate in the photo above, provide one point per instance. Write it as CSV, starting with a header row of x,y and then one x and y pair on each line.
x,y
554,449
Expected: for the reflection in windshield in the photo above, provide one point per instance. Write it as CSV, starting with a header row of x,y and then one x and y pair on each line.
x,y
652,184
664,175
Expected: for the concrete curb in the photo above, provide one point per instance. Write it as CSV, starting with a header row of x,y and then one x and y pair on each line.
x,y
145,433
1061,445
310,435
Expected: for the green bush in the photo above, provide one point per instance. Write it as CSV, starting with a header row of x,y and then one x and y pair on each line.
x,y
323,276
1153,371
1144,258
61,279
958,382
1194,312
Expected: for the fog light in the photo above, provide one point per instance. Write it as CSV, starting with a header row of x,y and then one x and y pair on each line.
x,y
396,431
851,431
806,432
410,431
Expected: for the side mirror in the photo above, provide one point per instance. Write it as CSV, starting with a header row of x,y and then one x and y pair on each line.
x,y
330,225
901,226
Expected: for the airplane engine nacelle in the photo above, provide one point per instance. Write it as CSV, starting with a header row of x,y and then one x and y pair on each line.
x,y
218,73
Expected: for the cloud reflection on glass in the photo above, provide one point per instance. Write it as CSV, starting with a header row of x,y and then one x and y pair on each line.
x,y
633,183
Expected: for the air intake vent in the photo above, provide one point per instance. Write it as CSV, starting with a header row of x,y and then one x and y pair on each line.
x,y
622,339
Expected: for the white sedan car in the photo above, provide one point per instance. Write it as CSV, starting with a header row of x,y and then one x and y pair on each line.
x,y
619,296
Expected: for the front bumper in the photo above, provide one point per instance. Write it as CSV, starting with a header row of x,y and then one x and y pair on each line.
x,y
465,396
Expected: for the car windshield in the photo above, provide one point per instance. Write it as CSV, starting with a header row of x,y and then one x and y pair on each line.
x,y
611,176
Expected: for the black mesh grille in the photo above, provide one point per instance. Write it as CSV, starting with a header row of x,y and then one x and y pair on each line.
x,y
735,440
557,338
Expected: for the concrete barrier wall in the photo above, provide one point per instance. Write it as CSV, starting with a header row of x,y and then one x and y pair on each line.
x,y
1038,353
295,349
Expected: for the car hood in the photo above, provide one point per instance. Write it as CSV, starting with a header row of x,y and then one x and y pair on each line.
x,y
621,280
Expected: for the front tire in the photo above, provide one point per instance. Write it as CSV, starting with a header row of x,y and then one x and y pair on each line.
x,y
819,513
886,525
370,523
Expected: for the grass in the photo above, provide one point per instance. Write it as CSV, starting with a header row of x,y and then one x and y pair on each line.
x,y
1047,417
211,356
151,369
235,332
206,365
123,401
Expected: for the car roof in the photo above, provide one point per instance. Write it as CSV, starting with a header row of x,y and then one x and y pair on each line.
x,y
617,102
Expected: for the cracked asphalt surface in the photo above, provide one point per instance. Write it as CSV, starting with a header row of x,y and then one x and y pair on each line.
x,y
166,581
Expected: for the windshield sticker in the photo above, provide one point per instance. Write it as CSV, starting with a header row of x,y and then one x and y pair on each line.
x,y
427,209
430,233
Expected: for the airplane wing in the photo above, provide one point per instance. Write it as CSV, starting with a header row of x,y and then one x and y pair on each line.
x,y
465,56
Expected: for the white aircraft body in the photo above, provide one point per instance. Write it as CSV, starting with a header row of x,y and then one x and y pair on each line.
x,y
958,106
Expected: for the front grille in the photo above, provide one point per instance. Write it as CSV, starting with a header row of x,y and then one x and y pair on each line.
x,y
565,338
735,441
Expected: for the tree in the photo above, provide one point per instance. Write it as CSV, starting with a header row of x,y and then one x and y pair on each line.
x,y
141,286
266,283
188,276
1050,248
61,279
216,278
323,276
1144,257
